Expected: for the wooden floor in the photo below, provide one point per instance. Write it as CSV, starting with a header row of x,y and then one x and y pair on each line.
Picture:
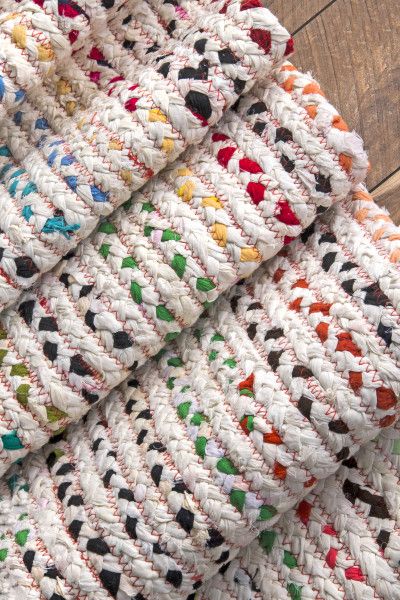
x,y
353,48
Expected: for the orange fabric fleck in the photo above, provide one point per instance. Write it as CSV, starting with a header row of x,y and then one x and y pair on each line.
x,y
355,380
312,111
302,283
387,421
345,162
385,398
360,195
339,123
296,304
278,275
313,88
346,344
395,256
288,85
280,471
322,331
247,383
322,307
310,482
272,438
288,68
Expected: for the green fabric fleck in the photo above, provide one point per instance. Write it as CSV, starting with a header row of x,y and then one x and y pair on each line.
x,y
200,446
19,369
246,392
213,355
197,419
185,388
172,335
217,337
204,284
3,554
148,229
168,235
23,393
129,263
136,292
224,465
267,539
54,414
105,250
289,560
179,265
250,422
3,334
294,591
238,498
197,334
163,313
267,512
11,441
147,207
170,383
230,362
107,227
21,537
183,409
174,361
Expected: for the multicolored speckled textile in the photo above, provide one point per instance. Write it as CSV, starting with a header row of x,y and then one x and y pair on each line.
x,y
199,376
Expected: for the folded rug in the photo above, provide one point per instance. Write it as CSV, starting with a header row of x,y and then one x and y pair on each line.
x,y
97,97
256,181
228,429
342,541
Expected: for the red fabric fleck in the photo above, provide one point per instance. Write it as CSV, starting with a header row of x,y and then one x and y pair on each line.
x,y
262,37
219,137
94,76
286,215
328,529
287,239
331,558
304,511
247,4
256,191
131,104
289,47
354,573
225,154
95,54
250,166
73,35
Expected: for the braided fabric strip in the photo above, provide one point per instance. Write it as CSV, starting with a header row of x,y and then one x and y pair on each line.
x,y
342,541
247,426
256,181
97,97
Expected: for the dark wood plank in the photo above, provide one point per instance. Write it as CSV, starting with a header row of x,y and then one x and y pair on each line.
x,y
387,194
292,13
353,49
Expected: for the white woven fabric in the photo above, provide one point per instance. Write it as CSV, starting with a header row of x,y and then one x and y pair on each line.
x,y
255,182
97,97
263,405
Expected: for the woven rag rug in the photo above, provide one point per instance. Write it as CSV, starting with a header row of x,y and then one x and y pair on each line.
x,y
254,454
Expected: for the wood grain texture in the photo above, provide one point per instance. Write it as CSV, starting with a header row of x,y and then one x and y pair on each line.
x,y
388,194
353,49
292,13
